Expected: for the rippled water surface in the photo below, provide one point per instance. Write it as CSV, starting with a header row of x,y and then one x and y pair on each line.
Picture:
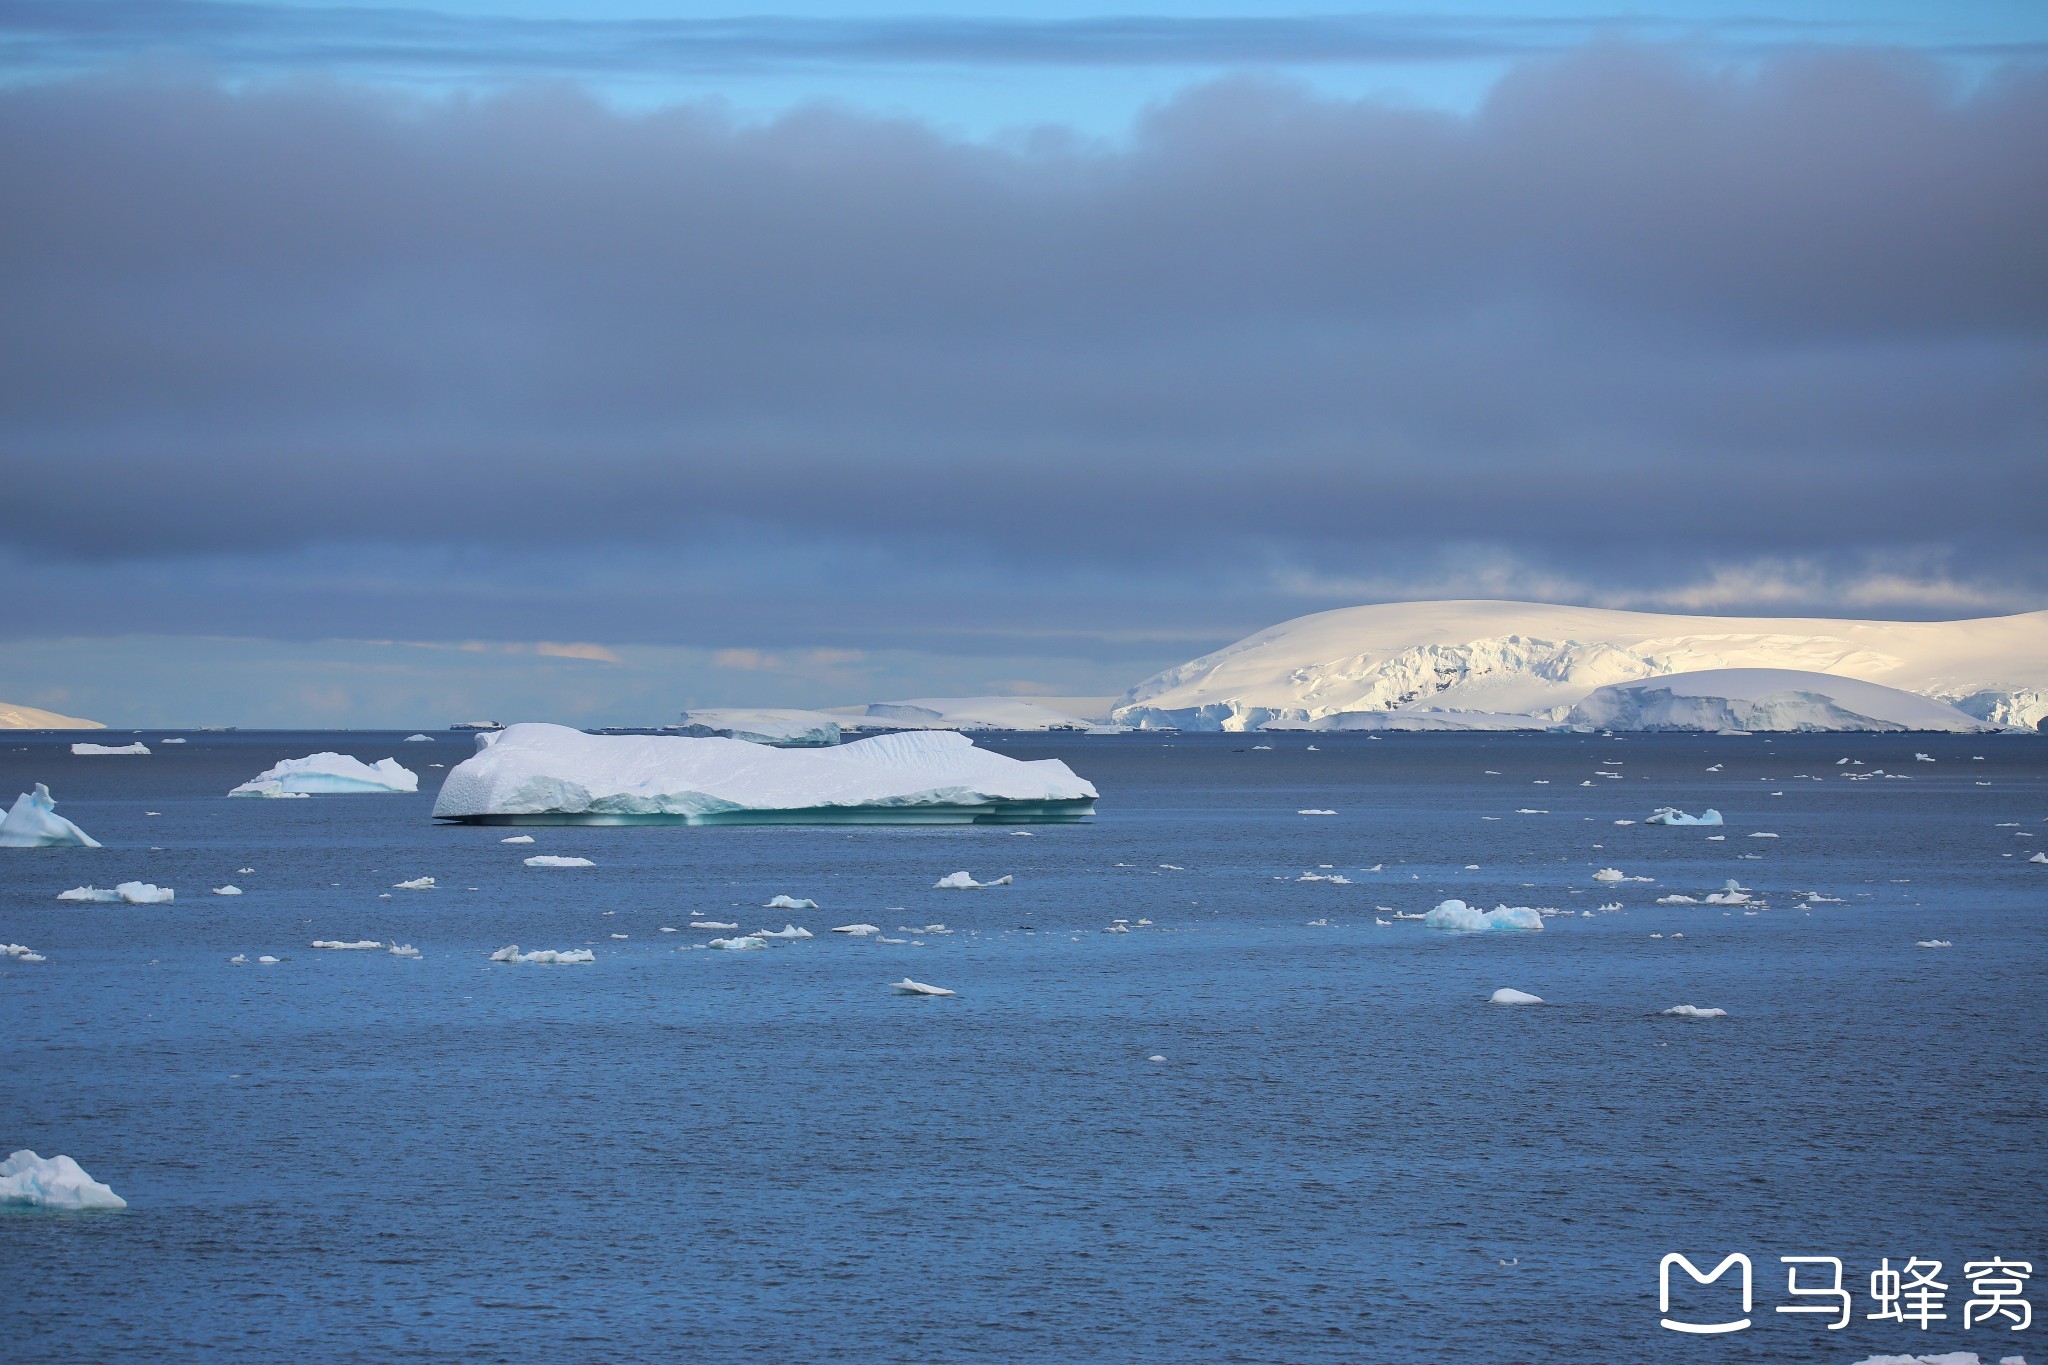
x,y
675,1153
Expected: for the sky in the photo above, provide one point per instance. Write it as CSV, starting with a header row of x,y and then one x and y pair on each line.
x,y
371,365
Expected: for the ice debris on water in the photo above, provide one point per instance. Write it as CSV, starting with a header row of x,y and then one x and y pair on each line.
x,y
55,1182
787,931
229,890
1458,917
416,884
361,945
960,881
403,950
1509,996
857,930
518,839
712,924
1694,1011
21,952
544,955
134,893
550,860
746,943
790,903
908,987
1934,943
1671,815
32,822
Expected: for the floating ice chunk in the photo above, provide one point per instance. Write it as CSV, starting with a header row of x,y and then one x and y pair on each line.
x,y
667,929
788,931
170,741
57,1182
550,860
1945,1358
419,739
1694,1011
518,839
403,950
745,944
1934,943
143,893
1677,900
1315,811
1156,1057
1525,810
2039,858
105,749
228,890
1923,758
1762,834
416,884
857,930
88,893
908,987
21,952
328,773
1458,917
790,903
544,956
960,881
32,822
238,960
1671,815
1609,874
267,960
711,924
361,945
1508,996
1715,768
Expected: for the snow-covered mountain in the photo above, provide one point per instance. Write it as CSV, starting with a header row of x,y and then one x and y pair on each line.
x,y
1765,699
13,717
1425,659
973,713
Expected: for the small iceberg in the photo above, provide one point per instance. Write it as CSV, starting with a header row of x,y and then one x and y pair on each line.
x,y
21,952
960,881
2039,858
544,955
550,860
228,890
32,822
1731,893
1672,815
518,839
361,945
1460,918
1695,1012
712,925
416,884
403,950
1315,811
746,943
134,893
419,739
136,748
1677,900
790,903
1507,996
787,931
908,987
1934,943
1763,834
857,930
329,774
55,1182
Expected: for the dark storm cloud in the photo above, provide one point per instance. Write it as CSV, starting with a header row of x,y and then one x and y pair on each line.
x,y
1630,316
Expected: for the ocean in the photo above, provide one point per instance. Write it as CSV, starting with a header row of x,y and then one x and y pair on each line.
x,y
1269,1122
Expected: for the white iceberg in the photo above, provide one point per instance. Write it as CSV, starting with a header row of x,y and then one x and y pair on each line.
x,y
134,893
1695,1012
1752,699
529,772
329,773
544,956
1076,714
908,987
518,839
1315,811
857,930
21,952
136,748
551,860
746,943
787,931
790,903
403,950
32,822
229,890
1677,900
712,925
1609,874
55,1182
960,881
361,945
763,725
1460,918
88,893
419,739
416,884
1508,996
1671,815
1934,943
2039,858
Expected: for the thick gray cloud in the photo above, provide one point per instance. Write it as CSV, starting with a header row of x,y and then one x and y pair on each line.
x,y
1631,319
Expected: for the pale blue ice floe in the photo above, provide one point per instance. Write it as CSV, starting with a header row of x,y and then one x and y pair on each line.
x,y
32,822
329,774
55,1182
1460,918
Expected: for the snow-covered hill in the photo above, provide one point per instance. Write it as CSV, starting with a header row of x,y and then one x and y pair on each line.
x,y
970,713
1765,699
14,717
1538,660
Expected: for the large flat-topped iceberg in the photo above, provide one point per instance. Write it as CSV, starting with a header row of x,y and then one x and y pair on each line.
x,y
550,774
1763,699
1538,660
32,822
976,713
762,725
329,774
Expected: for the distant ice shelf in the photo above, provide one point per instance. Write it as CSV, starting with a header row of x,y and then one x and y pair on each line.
x,y
760,725
1771,699
549,774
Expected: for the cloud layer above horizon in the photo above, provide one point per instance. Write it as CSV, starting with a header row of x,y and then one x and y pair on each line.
x,y
307,359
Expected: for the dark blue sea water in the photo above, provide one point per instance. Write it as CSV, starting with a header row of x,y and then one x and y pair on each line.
x,y
712,1156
